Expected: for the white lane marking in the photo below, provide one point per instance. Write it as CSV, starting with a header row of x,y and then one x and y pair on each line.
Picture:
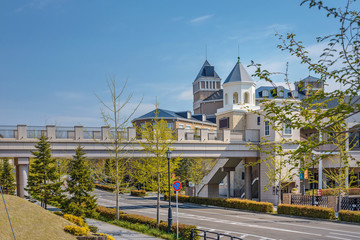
x,y
347,235
338,237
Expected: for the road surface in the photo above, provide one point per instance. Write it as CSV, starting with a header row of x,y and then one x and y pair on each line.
x,y
246,225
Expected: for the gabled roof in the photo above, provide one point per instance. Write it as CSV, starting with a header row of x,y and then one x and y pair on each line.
x,y
207,71
218,95
239,74
167,114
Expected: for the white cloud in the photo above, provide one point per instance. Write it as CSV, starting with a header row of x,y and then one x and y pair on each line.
x,y
201,19
186,95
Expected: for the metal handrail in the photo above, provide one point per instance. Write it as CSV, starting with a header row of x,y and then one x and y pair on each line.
x,y
194,233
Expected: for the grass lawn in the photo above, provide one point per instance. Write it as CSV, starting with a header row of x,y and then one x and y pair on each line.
x,y
31,221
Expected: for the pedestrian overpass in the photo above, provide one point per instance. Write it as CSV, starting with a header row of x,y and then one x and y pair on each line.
x,y
231,148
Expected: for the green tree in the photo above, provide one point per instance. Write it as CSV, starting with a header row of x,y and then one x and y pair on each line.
x,y
338,63
7,178
117,123
43,181
80,202
152,170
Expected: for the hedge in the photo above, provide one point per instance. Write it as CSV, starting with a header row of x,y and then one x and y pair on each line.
x,y
349,216
138,193
109,213
108,188
226,202
335,192
184,230
306,211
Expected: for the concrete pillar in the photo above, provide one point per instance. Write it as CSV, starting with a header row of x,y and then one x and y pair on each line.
x,y
204,134
226,135
248,179
21,132
51,131
228,184
180,134
213,190
105,133
21,175
79,132
131,133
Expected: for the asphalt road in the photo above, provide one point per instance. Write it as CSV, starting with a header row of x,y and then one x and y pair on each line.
x,y
238,223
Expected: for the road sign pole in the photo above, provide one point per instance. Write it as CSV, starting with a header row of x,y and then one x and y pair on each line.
x,y
177,216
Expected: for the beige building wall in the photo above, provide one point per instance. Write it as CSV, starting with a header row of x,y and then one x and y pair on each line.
x,y
209,108
237,119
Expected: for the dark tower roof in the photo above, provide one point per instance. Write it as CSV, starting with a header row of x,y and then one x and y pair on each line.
x,y
207,71
238,74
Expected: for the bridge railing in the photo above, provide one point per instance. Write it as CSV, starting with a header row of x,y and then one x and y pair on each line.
x,y
104,133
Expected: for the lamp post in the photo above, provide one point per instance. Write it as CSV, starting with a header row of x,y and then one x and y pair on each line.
x,y
168,156
59,170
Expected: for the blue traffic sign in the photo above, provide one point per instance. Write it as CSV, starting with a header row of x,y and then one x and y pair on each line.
x,y
177,186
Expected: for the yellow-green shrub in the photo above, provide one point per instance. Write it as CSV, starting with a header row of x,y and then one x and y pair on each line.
x,y
109,213
76,230
349,216
74,219
138,193
306,211
335,192
226,202
184,230
109,237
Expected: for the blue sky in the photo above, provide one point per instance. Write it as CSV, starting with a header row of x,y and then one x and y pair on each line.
x,y
54,55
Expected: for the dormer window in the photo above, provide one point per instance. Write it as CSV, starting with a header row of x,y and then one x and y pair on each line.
x,y
265,93
280,92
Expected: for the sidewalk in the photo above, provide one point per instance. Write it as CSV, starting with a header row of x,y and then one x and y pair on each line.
x,y
118,232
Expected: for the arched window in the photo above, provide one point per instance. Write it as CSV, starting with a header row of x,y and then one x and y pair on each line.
x,y
226,99
235,97
246,97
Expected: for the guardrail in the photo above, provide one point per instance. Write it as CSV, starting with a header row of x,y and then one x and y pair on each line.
x,y
211,235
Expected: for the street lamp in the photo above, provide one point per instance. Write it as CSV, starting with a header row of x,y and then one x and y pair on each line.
x,y
168,156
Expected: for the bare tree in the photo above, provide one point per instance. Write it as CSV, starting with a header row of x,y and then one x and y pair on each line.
x,y
117,121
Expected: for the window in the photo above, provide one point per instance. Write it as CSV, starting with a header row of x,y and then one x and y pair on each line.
x,y
287,129
258,121
267,128
224,123
226,99
207,85
181,125
214,87
246,97
170,125
235,97
265,93
188,127
142,125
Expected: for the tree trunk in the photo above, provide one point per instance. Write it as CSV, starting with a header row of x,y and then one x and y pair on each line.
x,y
117,189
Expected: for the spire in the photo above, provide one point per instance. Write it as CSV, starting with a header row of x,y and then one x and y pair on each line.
x,y
238,74
207,71
238,54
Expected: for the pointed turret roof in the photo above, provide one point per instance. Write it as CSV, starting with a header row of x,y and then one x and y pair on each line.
x,y
239,74
207,71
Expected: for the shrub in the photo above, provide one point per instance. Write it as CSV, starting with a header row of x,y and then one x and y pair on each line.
x,y
76,220
109,237
349,216
184,230
138,193
226,202
109,213
306,211
93,229
76,230
335,191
